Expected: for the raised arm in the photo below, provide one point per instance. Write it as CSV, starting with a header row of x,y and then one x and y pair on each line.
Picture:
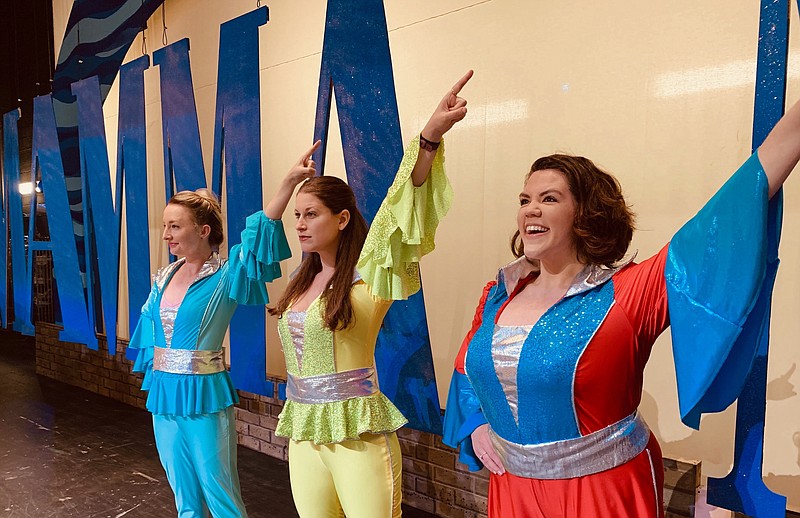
x,y
450,110
302,170
780,151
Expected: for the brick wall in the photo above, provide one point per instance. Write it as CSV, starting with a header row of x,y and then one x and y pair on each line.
x,y
432,478
95,371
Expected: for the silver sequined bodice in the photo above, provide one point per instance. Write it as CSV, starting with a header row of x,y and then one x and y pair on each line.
x,y
296,321
168,314
506,347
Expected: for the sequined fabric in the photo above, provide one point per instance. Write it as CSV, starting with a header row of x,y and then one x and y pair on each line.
x,y
404,228
330,422
162,276
329,388
295,320
188,361
168,314
316,355
546,369
604,449
506,348
400,234
594,275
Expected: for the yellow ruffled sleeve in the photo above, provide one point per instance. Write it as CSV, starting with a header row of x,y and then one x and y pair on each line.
x,y
404,228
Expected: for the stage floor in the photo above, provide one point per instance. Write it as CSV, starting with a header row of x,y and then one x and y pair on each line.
x,y
66,452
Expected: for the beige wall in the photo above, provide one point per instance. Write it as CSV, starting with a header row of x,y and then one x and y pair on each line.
x,y
661,94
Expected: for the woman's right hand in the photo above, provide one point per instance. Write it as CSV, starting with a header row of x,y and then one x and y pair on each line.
x,y
302,170
485,451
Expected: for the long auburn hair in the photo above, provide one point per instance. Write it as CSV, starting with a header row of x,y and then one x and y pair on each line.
x,y
337,196
604,223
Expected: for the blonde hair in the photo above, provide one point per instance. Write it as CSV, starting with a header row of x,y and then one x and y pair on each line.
x,y
204,206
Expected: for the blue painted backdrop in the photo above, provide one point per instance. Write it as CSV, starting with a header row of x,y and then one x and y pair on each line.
x,y
69,151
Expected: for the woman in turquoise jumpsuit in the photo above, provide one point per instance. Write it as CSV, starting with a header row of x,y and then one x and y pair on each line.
x,y
179,337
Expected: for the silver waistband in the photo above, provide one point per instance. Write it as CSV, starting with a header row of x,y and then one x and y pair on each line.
x,y
328,388
188,361
604,449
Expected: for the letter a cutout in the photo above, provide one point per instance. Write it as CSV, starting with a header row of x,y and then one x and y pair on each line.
x,y
356,37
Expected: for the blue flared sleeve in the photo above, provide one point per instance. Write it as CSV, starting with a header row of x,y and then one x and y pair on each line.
x,y
720,272
143,340
461,417
257,259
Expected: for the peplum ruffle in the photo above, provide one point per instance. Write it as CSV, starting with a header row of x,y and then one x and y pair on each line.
x,y
327,423
256,260
190,394
404,228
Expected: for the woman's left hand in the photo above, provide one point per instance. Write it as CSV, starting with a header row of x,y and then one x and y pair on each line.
x,y
450,110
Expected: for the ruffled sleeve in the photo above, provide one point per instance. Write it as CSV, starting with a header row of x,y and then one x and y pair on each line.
x,y
404,228
256,260
720,272
143,341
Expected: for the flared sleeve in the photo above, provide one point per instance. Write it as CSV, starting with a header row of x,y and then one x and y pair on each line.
x,y
404,228
720,273
144,339
462,417
463,413
256,260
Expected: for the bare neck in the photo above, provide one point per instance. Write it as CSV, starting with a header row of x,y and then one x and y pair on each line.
x,y
193,263
558,276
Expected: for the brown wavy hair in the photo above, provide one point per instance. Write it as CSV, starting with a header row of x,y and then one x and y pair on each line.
x,y
204,206
337,196
604,222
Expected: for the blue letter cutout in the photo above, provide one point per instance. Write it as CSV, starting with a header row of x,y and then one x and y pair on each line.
x,y
743,489
19,270
4,222
237,138
132,173
47,158
183,157
356,37
101,221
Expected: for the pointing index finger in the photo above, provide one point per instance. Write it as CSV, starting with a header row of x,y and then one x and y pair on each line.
x,y
307,155
461,82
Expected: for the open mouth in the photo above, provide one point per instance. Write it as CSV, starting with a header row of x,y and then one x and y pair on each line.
x,y
534,230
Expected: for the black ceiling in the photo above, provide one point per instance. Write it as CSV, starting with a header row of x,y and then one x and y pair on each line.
x,y
26,51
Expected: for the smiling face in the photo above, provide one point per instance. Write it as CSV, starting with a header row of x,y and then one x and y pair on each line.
x,y
546,217
317,227
184,237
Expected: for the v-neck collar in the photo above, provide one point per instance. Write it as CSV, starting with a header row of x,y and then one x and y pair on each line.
x,y
210,267
590,277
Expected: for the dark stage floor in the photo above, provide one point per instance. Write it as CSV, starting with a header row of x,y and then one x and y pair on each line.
x,y
66,452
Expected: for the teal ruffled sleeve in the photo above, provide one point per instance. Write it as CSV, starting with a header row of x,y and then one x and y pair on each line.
x,y
143,340
404,228
256,260
720,272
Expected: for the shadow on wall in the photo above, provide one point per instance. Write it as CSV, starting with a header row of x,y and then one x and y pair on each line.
x,y
721,427
696,445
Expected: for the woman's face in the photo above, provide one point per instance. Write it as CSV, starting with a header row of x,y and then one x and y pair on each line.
x,y
184,237
546,217
318,229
